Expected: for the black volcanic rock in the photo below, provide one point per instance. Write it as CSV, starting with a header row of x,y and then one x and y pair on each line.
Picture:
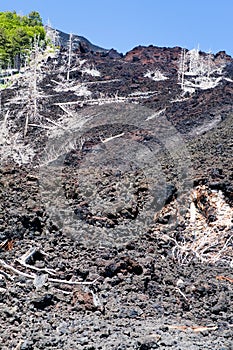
x,y
78,43
114,54
228,70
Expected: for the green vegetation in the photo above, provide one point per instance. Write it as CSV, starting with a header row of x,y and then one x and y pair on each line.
x,y
16,36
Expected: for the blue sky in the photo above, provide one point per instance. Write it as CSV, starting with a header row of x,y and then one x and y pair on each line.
x,y
124,24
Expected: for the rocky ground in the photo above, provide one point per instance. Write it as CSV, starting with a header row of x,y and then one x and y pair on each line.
x,y
116,190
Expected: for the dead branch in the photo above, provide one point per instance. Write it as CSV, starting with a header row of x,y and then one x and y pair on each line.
x,y
29,255
27,266
3,244
65,110
57,82
63,291
192,328
7,245
217,256
181,293
96,300
6,275
54,123
11,268
41,126
18,347
223,278
5,118
52,280
112,137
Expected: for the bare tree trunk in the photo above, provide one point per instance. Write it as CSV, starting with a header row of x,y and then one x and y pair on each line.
x,y
36,47
0,102
182,68
17,61
26,126
33,86
69,58
52,35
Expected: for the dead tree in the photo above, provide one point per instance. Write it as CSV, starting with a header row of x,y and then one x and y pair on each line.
x,y
33,85
52,35
181,71
69,58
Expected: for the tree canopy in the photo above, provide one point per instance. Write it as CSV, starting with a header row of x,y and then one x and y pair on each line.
x,y
16,35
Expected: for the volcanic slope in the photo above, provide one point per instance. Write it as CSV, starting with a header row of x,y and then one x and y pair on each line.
x,y
116,201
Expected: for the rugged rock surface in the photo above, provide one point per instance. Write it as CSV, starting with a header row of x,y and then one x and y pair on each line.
x,y
78,43
117,175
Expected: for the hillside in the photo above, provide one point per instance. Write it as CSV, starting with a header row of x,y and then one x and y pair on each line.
x,y
116,200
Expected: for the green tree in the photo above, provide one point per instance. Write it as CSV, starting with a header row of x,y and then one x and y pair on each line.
x,y
3,45
16,34
35,19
